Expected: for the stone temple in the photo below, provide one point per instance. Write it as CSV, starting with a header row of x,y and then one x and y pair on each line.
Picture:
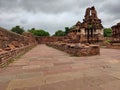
x,y
90,30
116,33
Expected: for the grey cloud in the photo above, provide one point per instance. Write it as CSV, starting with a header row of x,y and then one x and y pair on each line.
x,y
111,7
109,12
52,15
46,6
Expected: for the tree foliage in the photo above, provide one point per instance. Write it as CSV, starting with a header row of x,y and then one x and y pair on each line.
x,y
107,32
67,29
17,29
59,33
39,32
32,30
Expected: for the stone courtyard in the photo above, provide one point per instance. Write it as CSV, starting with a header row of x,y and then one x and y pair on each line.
x,y
46,68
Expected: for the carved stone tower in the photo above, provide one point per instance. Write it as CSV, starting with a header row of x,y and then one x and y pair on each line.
x,y
90,30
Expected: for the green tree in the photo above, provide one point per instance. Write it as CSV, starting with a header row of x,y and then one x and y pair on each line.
x,y
32,30
59,33
107,32
39,32
67,29
18,30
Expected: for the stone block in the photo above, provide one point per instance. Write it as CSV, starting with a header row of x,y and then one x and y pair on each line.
x,y
77,50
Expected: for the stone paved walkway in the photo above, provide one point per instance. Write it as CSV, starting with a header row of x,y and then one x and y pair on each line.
x,y
45,68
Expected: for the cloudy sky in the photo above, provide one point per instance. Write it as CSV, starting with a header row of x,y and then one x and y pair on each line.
x,y
52,15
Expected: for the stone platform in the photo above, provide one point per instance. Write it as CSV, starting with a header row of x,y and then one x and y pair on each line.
x,y
45,68
76,49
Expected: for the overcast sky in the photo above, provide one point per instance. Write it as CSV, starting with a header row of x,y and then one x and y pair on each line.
x,y
52,15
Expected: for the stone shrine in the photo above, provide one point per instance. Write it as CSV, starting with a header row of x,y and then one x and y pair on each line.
x,y
90,30
116,33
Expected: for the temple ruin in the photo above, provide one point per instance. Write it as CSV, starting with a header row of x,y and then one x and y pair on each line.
x,y
79,41
90,30
13,45
116,33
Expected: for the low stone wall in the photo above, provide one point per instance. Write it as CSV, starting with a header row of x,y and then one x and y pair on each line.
x,y
76,49
6,56
113,46
46,39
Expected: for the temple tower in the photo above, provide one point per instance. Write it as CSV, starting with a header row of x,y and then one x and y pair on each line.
x,y
90,30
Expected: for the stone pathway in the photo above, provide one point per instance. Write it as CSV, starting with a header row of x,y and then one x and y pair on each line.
x,y
45,68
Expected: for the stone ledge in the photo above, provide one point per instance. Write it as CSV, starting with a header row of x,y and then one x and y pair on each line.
x,y
76,49
6,56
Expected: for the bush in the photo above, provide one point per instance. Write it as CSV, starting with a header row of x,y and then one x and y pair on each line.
x,y
108,41
59,33
107,32
39,32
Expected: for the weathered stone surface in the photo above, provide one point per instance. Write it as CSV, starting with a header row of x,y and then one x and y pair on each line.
x,y
12,44
12,52
46,68
1,50
16,44
10,38
45,39
77,49
116,33
30,36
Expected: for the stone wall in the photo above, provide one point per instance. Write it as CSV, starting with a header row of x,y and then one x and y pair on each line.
x,y
77,49
116,33
108,42
10,40
46,39
113,46
13,45
6,56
